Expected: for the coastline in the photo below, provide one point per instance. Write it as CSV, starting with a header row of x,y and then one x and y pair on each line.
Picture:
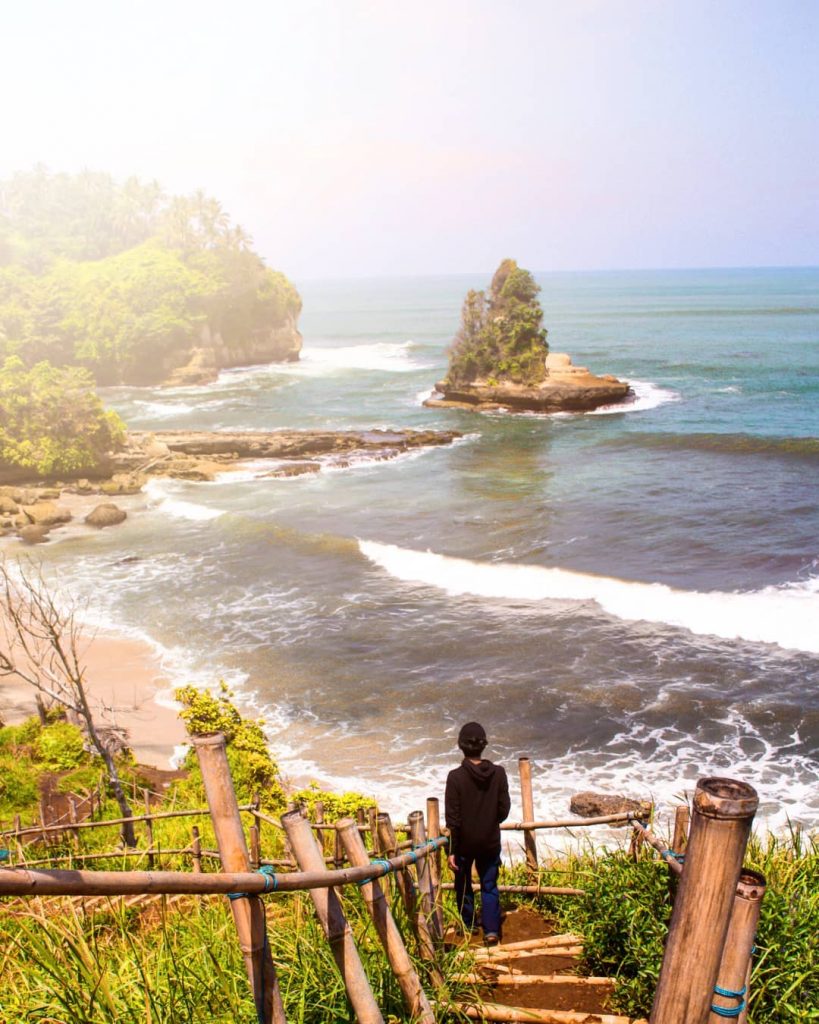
x,y
125,676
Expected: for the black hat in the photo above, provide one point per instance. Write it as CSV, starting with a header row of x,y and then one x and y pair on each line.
x,y
471,732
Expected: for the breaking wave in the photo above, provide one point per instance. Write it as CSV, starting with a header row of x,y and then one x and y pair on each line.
x,y
785,616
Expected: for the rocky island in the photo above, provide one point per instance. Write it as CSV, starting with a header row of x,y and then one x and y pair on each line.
x,y
500,358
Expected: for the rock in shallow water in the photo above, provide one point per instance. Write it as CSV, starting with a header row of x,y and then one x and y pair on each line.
x,y
106,514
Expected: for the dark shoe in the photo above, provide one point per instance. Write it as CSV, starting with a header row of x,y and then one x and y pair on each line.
x,y
490,939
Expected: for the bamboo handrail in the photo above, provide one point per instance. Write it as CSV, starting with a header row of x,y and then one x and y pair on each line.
x,y
21,881
39,829
667,855
603,819
534,890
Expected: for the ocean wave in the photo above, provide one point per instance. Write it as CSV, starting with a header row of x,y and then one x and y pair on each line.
x,y
731,444
785,616
161,499
389,357
646,396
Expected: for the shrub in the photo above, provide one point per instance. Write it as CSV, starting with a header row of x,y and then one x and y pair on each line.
x,y
251,764
61,746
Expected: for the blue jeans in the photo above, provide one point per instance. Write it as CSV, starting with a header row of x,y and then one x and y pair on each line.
x,y
487,867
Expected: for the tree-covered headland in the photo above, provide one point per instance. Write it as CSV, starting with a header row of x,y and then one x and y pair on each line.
x,y
501,336
105,283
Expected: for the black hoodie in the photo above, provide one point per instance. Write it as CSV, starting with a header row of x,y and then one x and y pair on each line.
x,y
476,802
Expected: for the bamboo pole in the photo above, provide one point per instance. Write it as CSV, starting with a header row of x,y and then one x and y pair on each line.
x,y
149,826
196,850
682,822
563,980
388,844
156,816
667,855
722,815
426,893
603,819
414,996
499,954
534,890
72,817
515,1015
542,942
735,970
20,881
528,807
434,861
309,856
248,913
319,816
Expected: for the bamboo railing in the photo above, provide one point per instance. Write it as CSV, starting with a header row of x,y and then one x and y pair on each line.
x,y
706,967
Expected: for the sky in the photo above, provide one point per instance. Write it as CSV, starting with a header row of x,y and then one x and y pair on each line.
x,y
363,138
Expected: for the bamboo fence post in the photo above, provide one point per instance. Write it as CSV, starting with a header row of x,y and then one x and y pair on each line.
x,y
682,822
248,912
72,817
310,857
723,812
338,851
388,845
735,970
434,860
17,843
149,826
415,998
426,893
196,850
372,822
318,813
528,810
255,833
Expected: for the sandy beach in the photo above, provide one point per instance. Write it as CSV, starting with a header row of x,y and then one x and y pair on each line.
x,y
125,677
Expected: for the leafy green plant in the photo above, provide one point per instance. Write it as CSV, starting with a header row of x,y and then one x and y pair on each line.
x,y
61,746
501,337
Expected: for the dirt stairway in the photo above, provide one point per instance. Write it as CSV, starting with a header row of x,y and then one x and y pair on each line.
x,y
531,976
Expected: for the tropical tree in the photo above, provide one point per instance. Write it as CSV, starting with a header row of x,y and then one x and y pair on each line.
x,y
501,336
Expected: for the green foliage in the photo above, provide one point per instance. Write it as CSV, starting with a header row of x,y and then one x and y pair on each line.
x,y
51,421
501,336
625,912
61,746
336,805
119,279
18,785
253,768
14,738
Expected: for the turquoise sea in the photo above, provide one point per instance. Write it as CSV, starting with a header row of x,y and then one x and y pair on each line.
x,y
630,597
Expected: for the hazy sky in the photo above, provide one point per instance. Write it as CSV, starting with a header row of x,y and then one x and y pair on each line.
x,y
356,137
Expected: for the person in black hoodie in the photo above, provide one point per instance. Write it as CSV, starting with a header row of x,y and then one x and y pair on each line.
x,y
476,802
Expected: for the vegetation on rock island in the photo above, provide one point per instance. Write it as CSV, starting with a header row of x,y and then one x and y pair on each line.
x,y
501,337
117,278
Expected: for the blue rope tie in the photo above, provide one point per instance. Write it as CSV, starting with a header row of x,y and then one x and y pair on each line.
x,y
387,869
727,993
271,884
5,854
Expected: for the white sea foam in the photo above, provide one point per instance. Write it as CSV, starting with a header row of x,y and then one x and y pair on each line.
x,y
786,616
646,396
389,357
161,498
422,396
